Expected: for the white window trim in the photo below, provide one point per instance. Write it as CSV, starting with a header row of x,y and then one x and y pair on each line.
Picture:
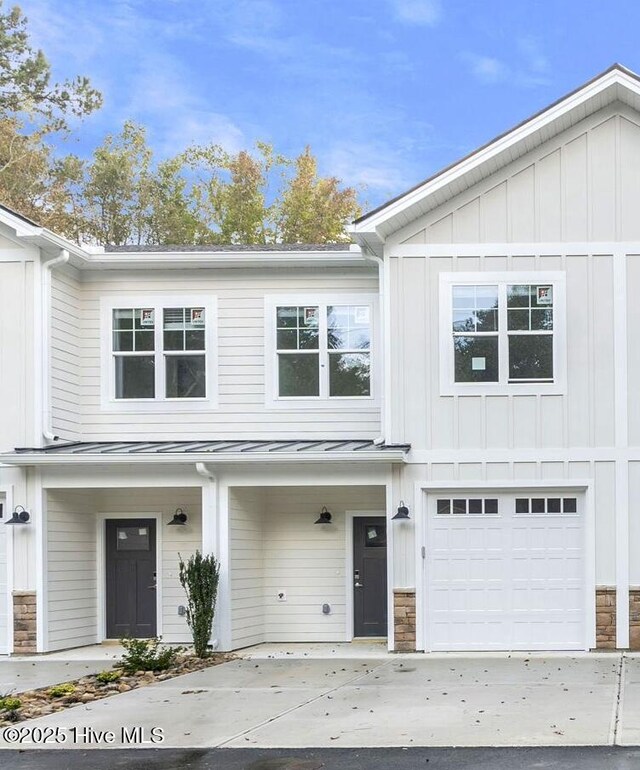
x,y
448,387
159,404
323,401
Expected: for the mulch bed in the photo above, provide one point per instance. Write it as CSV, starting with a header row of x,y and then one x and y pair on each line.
x,y
38,703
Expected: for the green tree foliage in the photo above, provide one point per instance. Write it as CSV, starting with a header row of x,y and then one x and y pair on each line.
x,y
26,89
123,195
314,209
199,577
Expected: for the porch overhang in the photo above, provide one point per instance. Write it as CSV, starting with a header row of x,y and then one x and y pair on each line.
x,y
218,452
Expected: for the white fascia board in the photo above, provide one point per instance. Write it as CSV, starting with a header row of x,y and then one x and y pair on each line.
x,y
609,80
165,458
194,259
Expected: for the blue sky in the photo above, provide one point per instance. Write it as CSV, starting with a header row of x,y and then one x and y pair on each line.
x,y
385,91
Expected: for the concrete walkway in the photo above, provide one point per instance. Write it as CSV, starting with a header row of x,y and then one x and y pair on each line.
x,y
266,700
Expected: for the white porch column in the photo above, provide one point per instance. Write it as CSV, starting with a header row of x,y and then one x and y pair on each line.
x,y
215,539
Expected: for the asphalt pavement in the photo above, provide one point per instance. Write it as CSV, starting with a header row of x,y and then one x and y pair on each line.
x,y
556,758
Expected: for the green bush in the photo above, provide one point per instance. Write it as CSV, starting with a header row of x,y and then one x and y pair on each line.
x,y
199,578
60,690
147,655
9,704
106,677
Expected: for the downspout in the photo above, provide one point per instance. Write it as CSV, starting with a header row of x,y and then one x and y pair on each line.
x,y
205,472
385,339
45,341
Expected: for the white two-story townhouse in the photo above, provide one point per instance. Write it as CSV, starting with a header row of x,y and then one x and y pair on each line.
x,y
430,435
155,402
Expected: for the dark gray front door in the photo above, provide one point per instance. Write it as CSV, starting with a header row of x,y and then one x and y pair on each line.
x,y
131,578
370,576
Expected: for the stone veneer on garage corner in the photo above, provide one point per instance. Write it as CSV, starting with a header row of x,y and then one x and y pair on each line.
x,y
24,622
634,618
605,618
404,620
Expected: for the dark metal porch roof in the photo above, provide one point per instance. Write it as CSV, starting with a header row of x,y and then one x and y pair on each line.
x,y
208,451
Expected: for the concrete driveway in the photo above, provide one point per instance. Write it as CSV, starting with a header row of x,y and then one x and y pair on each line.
x,y
393,700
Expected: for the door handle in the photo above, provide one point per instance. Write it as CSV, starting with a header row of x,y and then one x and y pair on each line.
x,y
357,585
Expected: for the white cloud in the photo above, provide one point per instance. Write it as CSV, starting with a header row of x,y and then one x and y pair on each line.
x,y
530,69
367,165
486,68
420,12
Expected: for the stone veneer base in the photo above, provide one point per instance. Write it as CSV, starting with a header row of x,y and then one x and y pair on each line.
x,y
24,622
404,620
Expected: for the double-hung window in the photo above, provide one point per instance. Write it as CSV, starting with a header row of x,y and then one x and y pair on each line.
x,y
502,333
322,350
159,351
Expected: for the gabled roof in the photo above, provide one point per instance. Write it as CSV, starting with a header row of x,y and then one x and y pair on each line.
x,y
617,83
216,451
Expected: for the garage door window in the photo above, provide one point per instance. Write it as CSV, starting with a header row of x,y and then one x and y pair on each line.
x,y
467,506
539,505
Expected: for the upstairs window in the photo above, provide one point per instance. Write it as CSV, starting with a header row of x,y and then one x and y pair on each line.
x,y
159,353
501,333
323,350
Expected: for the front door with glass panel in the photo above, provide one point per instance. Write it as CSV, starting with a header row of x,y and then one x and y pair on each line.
x,y
369,576
131,578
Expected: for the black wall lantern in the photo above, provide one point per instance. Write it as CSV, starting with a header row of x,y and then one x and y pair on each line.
x,y
19,516
179,518
403,512
324,518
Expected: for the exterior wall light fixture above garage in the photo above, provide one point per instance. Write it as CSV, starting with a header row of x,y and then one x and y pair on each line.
x,y
19,516
402,514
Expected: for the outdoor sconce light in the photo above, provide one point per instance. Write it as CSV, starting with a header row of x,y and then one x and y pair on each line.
x,y
179,518
403,512
19,516
324,518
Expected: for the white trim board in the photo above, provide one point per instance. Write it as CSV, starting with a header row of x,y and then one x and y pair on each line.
x,y
101,566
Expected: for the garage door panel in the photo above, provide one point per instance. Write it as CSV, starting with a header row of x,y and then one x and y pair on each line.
x,y
505,581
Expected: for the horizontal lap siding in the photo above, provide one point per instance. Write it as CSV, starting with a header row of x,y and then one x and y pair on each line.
x,y
183,541
308,560
241,357
72,604
65,364
246,531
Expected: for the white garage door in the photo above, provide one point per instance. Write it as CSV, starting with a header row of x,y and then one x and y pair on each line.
x,y
4,641
505,571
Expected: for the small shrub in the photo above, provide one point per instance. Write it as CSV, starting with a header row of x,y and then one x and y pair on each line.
x,y
147,655
60,690
106,677
9,704
199,577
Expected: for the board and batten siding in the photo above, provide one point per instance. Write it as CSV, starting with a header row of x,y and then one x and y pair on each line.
x,y
582,185
240,336
16,349
65,349
72,598
583,417
277,548
4,588
174,541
